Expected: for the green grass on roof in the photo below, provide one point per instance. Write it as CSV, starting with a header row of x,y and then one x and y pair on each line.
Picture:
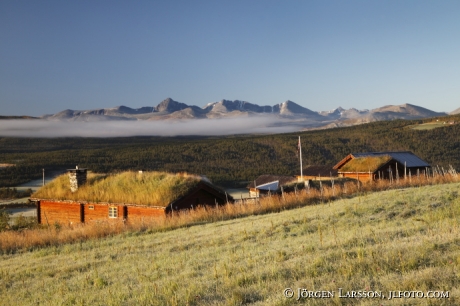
x,y
365,164
148,188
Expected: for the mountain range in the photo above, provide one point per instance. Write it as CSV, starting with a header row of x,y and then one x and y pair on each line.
x,y
287,111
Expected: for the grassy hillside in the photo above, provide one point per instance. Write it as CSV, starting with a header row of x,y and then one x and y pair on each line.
x,y
428,126
396,240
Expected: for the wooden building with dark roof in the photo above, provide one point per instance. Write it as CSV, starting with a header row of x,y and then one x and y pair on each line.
x,y
370,166
318,172
269,184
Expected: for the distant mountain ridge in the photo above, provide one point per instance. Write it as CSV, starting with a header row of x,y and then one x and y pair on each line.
x,y
169,109
457,111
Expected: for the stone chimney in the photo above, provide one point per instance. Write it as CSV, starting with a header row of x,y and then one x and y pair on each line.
x,y
77,178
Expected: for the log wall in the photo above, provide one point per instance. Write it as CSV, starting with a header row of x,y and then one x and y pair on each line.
x,y
137,213
59,212
363,177
51,212
94,212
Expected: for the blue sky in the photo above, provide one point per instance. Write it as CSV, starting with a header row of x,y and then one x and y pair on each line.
x,y
56,55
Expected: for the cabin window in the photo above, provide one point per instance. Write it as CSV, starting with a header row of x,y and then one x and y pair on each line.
x,y
91,207
113,212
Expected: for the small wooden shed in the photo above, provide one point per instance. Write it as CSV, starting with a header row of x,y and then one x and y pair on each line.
x,y
318,172
269,184
370,166
125,196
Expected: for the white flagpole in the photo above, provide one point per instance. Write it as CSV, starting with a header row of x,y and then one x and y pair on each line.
x,y
300,155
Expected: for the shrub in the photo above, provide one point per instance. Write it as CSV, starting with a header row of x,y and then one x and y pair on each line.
x,y
4,220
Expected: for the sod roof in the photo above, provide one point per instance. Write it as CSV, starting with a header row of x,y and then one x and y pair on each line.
x,y
365,164
147,188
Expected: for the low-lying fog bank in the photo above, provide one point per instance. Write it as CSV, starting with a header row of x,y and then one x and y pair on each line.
x,y
205,127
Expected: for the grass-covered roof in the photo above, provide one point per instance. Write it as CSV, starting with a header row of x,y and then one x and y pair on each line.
x,y
365,164
147,188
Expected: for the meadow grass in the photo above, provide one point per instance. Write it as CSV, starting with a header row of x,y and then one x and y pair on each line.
x,y
428,126
402,239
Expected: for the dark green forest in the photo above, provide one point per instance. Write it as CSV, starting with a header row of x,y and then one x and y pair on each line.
x,y
226,160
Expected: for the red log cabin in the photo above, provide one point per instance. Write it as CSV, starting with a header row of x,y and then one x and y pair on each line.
x,y
125,196
380,165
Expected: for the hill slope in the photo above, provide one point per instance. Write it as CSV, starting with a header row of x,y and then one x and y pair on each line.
x,y
454,112
404,240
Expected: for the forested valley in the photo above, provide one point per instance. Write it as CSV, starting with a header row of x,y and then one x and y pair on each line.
x,y
226,160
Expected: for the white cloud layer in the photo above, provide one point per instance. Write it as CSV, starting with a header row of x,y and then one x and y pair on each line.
x,y
44,128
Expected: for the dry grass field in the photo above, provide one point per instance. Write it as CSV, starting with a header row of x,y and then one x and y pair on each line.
x,y
396,240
